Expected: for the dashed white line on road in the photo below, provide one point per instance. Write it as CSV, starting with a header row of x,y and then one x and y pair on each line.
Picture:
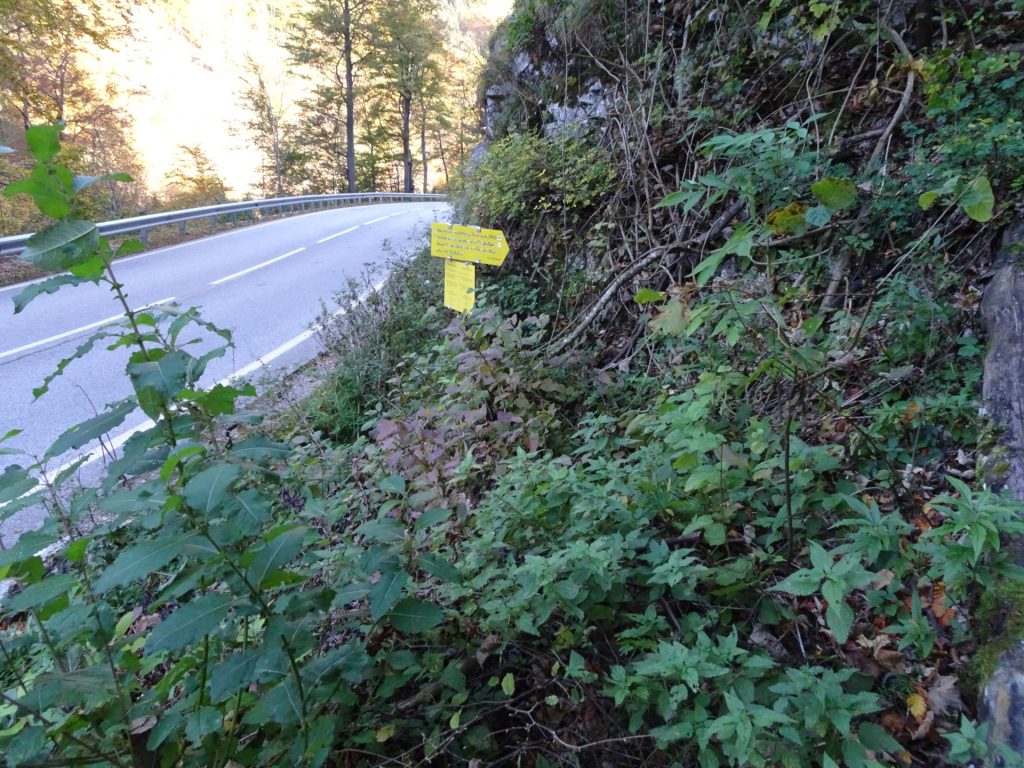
x,y
337,234
262,264
80,329
382,218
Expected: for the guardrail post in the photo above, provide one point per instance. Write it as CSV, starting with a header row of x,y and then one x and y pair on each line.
x,y
144,236
181,228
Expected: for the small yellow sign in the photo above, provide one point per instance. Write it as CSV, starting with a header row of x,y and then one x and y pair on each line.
x,y
473,244
459,285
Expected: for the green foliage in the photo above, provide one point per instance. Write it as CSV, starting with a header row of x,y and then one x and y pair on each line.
x,y
525,180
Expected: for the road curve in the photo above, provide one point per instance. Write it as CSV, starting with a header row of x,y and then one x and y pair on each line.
x,y
266,283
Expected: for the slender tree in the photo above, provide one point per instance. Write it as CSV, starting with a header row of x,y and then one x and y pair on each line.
x,y
328,39
266,126
404,57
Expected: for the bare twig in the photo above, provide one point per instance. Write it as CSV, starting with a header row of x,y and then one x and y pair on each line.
x,y
599,306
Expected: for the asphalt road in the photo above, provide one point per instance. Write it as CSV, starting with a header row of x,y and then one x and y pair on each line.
x,y
266,283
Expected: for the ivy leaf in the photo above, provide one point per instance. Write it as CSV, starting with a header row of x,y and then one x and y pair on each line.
x,y
385,593
190,623
835,194
978,201
142,560
415,616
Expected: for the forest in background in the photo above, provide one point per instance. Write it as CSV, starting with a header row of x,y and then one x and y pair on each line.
x,y
323,96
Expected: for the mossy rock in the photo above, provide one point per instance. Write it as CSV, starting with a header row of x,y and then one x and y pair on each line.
x,y
999,628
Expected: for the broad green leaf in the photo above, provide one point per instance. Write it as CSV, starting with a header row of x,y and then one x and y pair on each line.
x,y
278,551
59,246
800,583
14,483
50,285
818,216
414,616
44,141
978,201
158,380
260,448
386,592
142,560
649,296
281,705
789,220
839,618
233,674
84,182
877,739
40,593
209,489
439,567
835,194
393,484
688,198
671,320
927,199
201,724
190,622
508,684
85,432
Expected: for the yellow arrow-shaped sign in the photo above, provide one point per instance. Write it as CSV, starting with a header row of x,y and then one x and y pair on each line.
x,y
473,244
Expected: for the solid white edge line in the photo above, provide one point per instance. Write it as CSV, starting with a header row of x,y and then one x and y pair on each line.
x,y
255,365
80,329
253,268
337,234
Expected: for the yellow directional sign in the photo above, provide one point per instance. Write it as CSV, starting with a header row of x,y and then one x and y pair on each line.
x,y
473,244
459,285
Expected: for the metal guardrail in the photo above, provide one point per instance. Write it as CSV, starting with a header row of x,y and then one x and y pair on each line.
x,y
142,224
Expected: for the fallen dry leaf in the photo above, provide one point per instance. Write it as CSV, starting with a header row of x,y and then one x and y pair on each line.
x,y
917,705
944,696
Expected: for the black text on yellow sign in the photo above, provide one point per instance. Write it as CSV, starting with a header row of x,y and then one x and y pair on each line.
x,y
472,244
462,248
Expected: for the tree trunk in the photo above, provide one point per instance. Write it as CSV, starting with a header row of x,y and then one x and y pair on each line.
x,y
406,110
423,144
350,98
444,160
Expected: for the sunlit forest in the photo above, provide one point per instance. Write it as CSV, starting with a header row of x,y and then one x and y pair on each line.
x,y
206,102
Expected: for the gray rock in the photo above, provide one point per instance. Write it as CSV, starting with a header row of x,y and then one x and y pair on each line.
x,y
1002,466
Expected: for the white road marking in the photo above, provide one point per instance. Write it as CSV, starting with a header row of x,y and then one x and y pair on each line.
x,y
116,442
262,264
382,218
80,329
337,234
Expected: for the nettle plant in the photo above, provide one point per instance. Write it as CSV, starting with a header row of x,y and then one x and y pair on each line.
x,y
184,620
